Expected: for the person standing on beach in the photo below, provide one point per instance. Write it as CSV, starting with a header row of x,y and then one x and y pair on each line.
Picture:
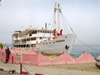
x,y
7,54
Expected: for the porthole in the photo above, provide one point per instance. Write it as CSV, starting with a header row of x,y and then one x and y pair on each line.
x,y
53,42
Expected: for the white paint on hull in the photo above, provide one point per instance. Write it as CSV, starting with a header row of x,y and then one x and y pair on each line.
x,y
52,46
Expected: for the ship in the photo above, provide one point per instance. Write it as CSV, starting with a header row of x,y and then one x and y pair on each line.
x,y
45,40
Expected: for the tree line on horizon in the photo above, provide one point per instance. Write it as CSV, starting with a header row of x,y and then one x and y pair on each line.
x,y
2,45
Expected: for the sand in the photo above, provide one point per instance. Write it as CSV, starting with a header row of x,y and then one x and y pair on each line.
x,y
76,69
81,67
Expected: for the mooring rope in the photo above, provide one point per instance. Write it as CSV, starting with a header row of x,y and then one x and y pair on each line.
x,y
26,70
88,45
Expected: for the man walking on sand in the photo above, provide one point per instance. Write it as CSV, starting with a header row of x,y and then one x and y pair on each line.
x,y
7,54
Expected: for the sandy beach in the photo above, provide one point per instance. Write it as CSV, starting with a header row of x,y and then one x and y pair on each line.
x,y
76,69
79,67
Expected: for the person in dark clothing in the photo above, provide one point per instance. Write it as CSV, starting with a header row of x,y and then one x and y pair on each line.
x,y
7,54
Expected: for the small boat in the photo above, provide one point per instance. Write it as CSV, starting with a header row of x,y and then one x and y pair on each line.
x,y
98,63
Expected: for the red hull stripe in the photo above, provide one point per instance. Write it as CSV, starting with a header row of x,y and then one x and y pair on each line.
x,y
60,40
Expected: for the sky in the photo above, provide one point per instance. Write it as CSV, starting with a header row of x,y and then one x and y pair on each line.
x,y
82,15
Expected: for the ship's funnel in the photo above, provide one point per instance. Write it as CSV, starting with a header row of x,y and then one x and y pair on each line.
x,y
45,25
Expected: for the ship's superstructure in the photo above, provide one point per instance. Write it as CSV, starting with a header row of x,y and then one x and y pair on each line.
x,y
30,37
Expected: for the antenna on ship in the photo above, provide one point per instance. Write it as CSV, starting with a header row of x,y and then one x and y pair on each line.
x,y
22,29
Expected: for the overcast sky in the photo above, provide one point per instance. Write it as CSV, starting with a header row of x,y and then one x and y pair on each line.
x,y
82,15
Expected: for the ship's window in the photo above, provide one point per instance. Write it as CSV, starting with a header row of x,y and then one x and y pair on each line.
x,y
33,38
40,31
30,34
45,31
43,43
49,42
46,43
34,45
40,37
53,42
31,45
27,45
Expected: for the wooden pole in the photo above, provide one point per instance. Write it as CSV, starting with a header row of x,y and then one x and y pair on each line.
x,y
12,59
20,68
12,56
21,63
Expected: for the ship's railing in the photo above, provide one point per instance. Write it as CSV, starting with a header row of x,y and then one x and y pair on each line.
x,y
19,43
18,38
39,35
33,35
31,42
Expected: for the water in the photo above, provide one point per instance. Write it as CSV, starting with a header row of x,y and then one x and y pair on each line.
x,y
77,50
9,45
94,50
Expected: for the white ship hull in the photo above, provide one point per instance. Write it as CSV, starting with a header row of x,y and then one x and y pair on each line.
x,y
57,45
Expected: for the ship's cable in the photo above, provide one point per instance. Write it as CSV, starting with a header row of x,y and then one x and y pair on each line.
x,y
88,45
64,24
51,19
68,24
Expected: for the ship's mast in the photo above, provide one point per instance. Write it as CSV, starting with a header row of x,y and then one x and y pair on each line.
x,y
58,18
57,8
